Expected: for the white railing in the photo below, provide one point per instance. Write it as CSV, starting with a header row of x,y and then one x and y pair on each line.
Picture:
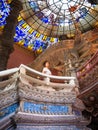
x,y
44,75
69,80
8,72
23,69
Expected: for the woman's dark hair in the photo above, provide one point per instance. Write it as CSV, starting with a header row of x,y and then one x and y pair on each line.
x,y
45,62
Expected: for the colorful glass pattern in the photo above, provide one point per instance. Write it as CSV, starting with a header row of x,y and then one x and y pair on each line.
x,y
42,22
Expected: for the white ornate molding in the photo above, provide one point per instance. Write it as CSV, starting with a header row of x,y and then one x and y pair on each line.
x,y
38,119
31,93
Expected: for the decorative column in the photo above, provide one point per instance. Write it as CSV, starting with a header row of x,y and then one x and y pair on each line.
x,y
7,37
78,35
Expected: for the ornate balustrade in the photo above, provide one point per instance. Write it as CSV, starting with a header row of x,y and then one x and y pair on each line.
x,y
35,74
56,92
40,101
88,74
88,83
32,87
6,74
90,79
40,76
88,67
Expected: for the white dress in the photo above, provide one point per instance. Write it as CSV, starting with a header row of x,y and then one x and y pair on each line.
x,y
48,72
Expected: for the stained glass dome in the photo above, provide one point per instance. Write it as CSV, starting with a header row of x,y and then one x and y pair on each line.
x,y
41,23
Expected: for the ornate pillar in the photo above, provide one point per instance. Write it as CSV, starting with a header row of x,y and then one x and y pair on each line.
x,y
6,39
78,35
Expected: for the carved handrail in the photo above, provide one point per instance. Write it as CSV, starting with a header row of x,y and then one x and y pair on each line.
x,y
88,66
89,80
45,75
24,68
8,72
90,60
88,75
32,80
39,75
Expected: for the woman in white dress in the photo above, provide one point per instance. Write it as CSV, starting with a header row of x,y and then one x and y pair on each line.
x,y
46,70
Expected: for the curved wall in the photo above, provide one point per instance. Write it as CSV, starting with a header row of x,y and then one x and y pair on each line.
x,y
20,56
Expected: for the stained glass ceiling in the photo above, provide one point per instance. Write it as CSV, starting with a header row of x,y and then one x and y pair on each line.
x,y
42,22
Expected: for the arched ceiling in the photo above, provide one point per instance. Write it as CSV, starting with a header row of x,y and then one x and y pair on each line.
x,y
55,18
42,23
